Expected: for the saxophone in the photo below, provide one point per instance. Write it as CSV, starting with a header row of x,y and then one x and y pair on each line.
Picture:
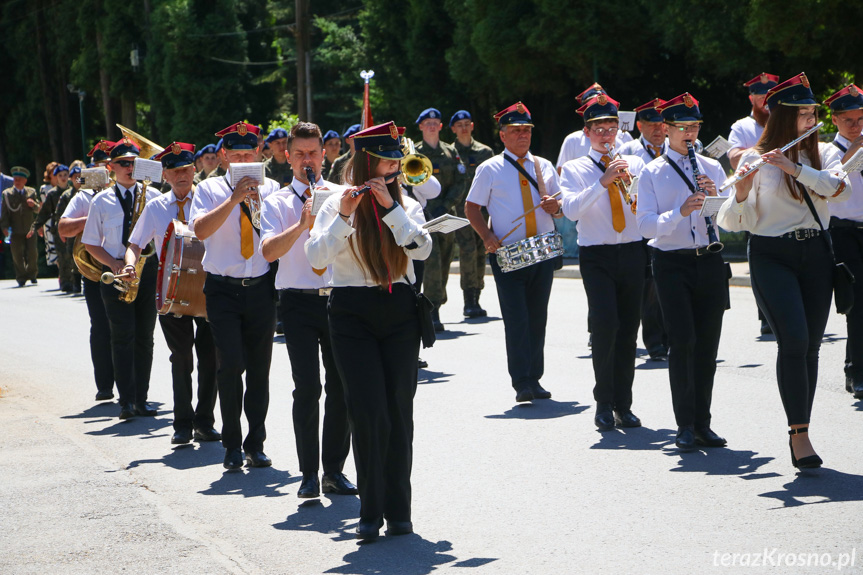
x,y
129,290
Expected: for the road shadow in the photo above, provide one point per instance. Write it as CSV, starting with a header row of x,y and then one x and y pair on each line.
x,y
252,482
832,338
822,485
338,517
635,439
540,409
717,461
650,364
427,376
102,411
187,456
147,427
403,555
451,334
858,405
766,338
479,320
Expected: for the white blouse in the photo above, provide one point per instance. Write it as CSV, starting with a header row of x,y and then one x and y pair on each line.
x,y
771,210
328,241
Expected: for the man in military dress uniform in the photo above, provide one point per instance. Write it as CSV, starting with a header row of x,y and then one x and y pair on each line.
x,y
472,256
451,173
277,168
20,207
336,174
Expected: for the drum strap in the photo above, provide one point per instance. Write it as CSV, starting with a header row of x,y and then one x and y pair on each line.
x,y
522,171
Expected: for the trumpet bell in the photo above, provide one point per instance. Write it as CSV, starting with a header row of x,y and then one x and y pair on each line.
x,y
416,168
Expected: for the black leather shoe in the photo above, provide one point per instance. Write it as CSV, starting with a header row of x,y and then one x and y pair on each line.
x,y
233,458
309,488
104,395
369,530
706,437
539,392
207,434
685,440
395,528
258,459
604,418
854,386
808,462
421,363
141,408
337,483
524,394
127,411
436,322
658,353
626,419
181,436
765,328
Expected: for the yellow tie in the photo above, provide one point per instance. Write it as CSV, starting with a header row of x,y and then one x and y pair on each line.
x,y
618,221
527,202
319,271
247,242
181,212
657,150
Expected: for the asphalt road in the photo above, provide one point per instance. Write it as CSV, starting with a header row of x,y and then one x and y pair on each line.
x,y
498,488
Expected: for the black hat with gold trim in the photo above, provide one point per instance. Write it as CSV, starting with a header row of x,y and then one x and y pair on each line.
x,y
594,90
240,136
382,141
648,112
762,83
848,98
100,151
177,155
601,107
125,148
680,110
792,92
517,114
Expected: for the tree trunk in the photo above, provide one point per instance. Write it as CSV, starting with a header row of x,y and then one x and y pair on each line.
x,y
45,81
128,114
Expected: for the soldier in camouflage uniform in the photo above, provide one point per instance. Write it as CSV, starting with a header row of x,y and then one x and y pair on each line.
x,y
472,255
46,218
277,168
209,162
332,150
336,174
450,171
67,244
20,206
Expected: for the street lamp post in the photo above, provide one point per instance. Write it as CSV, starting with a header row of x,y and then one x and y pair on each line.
x,y
81,95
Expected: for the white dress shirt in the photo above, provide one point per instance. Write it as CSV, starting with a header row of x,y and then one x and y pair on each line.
x,y
429,190
853,208
156,218
745,133
222,249
104,225
79,205
661,192
282,210
586,201
329,244
771,210
577,145
496,186
639,148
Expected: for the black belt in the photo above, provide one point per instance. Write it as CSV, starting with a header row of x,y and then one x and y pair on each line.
x,y
244,282
801,235
688,251
843,223
320,291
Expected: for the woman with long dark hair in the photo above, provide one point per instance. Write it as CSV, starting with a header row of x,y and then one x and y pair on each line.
x,y
789,258
371,239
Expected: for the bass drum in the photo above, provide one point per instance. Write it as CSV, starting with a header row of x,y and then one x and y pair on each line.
x,y
180,284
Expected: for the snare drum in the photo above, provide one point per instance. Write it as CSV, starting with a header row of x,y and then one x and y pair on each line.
x,y
529,251
180,284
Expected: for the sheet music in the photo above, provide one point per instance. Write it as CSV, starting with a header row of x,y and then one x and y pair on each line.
x,y
717,148
95,178
446,223
855,164
254,170
627,120
319,196
147,170
711,205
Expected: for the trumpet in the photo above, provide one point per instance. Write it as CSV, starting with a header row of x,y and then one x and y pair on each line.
x,y
416,168
254,209
621,181
755,166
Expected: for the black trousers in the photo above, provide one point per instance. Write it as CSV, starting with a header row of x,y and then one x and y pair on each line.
x,y
304,320
100,337
184,335
132,326
693,293
523,296
848,245
793,285
613,277
376,340
652,328
243,321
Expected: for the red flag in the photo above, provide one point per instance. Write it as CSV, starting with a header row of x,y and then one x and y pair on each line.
x,y
366,120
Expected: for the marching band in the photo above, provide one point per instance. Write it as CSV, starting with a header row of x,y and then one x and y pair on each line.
x,y
333,246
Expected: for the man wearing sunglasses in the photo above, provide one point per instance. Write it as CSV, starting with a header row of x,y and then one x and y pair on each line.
x,y
106,237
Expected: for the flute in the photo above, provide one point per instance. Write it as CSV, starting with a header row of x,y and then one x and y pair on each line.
x,y
365,189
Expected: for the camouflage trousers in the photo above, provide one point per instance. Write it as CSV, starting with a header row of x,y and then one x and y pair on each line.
x,y
437,268
471,258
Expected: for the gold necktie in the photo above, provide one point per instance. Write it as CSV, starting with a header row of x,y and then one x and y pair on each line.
x,y
247,242
527,202
319,271
181,212
657,150
618,221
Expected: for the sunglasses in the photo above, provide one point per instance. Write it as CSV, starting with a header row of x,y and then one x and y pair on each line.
x,y
125,163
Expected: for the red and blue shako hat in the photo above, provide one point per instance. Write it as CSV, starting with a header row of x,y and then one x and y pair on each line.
x,y
648,112
593,90
680,110
848,98
177,155
124,148
600,107
381,141
762,83
515,115
792,92
240,136
100,151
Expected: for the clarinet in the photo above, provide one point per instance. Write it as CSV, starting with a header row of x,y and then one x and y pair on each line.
x,y
715,245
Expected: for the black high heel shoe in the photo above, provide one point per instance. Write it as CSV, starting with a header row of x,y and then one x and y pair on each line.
x,y
808,462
